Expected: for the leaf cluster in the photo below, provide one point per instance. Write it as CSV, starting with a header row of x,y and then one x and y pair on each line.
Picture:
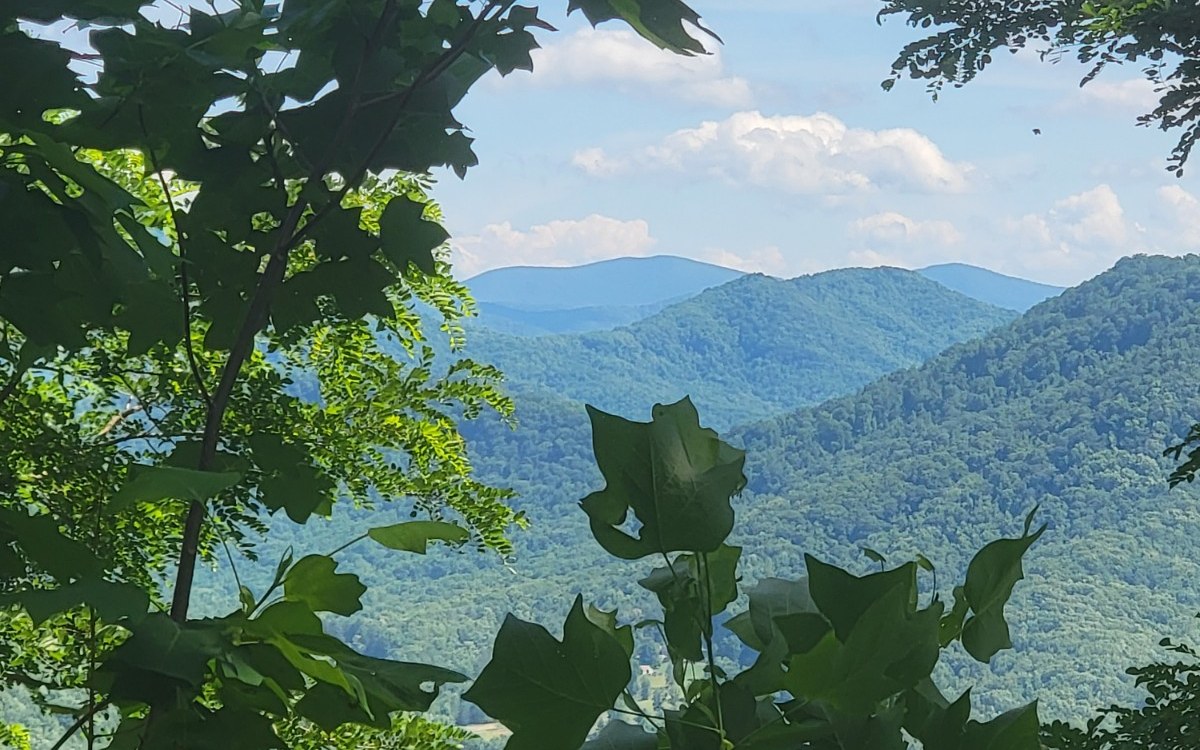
x,y
1159,35
843,661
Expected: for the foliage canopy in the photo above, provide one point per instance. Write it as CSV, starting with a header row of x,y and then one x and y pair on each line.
x,y
229,232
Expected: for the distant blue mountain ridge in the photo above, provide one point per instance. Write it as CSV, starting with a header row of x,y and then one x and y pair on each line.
x,y
997,289
541,300
532,301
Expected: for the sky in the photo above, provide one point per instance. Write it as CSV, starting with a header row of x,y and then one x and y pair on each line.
x,y
780,153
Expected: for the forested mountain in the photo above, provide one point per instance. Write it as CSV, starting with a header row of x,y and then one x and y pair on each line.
x,y
753,347
1067,408
534,301
1009,292
520,322
620,281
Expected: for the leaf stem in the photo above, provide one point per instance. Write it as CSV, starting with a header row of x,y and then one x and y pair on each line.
x,y
706,629
350,543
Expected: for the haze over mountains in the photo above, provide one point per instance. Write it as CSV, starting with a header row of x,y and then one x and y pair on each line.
x,y
752,347
529,300
534,301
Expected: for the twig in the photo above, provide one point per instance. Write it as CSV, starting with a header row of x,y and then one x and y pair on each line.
x,y
185,285
84,719
119,417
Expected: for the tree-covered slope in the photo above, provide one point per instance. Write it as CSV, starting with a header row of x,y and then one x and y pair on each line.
x,y
753,347
1009,292
1069,409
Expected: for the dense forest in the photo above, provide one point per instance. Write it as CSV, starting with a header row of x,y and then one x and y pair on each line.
x,y
752,347
933,460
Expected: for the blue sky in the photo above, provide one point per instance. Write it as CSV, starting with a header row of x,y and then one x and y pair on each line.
x,y
780,153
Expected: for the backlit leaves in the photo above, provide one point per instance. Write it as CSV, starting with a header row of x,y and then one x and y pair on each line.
x,y
550,692
674,476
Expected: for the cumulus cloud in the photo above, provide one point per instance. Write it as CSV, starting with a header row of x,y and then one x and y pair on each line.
x,y
769,260
895,228
1133,95
1081,234
556,243
803,154
1184,208
621,58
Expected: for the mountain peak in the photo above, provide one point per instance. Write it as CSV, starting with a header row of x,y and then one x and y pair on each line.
x,y
996,288
615,282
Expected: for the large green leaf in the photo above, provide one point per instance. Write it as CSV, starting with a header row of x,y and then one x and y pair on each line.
x,y
676,477
39,540
879,644
161,658
313,581
112,602
993,572
550,693
773,601
414,536
154,483
380,687
660,21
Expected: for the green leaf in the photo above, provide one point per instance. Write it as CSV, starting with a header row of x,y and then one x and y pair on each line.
x,y
414,536
550,693
408,237
1013,730
161,657
681,591
879,645
607,621
676,477
660,21
112,602
844,597
993,572
39,539
290,481
381,686
312,581
155,483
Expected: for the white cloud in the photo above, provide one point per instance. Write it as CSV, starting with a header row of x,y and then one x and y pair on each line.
x,y
1132,95
623,59
1080,235
768,260
802,154
556,243
895,228
1184,209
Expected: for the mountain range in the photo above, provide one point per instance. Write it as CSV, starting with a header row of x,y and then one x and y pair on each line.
x,y
1066,409
752,347
530,301
535,301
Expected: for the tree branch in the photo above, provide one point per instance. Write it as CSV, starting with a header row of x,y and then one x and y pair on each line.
x,y
185,284
255,320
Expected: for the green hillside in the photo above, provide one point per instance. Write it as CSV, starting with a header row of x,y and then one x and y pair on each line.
x,y
1068,407
753,347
